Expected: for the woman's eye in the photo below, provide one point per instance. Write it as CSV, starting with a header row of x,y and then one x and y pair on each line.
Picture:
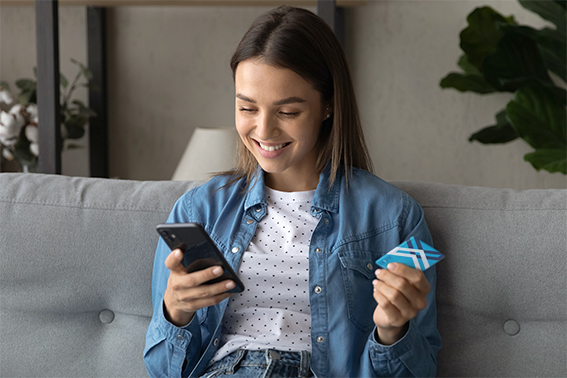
x,y
289,114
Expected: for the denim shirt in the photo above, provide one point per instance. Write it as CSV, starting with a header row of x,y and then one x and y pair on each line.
x,y
355,227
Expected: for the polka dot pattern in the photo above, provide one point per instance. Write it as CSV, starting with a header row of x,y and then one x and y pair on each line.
x,y
273,311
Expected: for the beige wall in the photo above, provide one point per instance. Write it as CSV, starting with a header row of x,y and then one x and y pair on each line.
x,y
168,73
399,51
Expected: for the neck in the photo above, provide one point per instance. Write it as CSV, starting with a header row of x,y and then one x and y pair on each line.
x,y
284,184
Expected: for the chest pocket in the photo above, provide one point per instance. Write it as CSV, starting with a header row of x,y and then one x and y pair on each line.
x,y
357,268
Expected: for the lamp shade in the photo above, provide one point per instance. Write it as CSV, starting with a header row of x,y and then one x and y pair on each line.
x,y
208,151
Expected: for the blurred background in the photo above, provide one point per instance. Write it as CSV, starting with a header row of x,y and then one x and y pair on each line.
x,y
168,74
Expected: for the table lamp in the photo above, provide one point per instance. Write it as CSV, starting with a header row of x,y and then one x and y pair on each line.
x,y
208,151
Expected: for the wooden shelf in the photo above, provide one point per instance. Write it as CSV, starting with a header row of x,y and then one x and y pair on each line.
x,y
117,3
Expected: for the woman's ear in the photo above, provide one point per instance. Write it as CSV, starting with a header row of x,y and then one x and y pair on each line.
x,y
328,111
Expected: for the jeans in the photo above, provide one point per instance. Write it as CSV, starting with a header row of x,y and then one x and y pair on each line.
x,y
262,363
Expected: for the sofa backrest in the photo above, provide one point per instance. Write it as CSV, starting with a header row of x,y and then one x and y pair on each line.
x,y
501,291
76,257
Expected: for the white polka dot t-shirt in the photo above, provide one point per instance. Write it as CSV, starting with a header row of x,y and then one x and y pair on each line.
x,y
273,311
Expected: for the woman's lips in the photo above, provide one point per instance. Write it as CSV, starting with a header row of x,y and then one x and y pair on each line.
x,y
266,147
271,151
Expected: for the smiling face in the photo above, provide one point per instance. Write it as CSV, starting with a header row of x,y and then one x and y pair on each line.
x,y
278,117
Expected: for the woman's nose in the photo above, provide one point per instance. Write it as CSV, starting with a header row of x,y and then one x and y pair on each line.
x,y
266,127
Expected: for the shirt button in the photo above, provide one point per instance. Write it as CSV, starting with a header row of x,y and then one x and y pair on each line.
x,y
249,221
235,250
326,221
370,266
216,342
318,289
180,337
320,339
258,209
318,250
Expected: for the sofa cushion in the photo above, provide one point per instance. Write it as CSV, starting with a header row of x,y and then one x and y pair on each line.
x,y
76,257
71,248
501,291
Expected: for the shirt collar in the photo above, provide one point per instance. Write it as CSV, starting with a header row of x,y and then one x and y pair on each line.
x,y
256,196
326,197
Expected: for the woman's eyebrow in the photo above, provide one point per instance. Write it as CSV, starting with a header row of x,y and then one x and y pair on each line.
x,y
244,98
289,100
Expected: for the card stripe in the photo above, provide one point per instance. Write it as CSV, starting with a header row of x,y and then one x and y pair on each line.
x,y
411,252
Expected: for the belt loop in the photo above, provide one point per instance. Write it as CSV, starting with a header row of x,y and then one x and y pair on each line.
x,y
238,357
305,364
269,363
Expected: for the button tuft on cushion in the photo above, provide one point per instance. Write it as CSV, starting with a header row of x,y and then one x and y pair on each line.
x,y
511,327
106,316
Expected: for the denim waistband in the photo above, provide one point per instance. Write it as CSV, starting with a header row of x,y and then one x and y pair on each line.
x,y
243,357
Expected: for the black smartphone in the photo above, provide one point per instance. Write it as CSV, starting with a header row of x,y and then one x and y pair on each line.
x,y
199,251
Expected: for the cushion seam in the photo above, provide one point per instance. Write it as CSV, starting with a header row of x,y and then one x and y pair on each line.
x,y
489,208
98,207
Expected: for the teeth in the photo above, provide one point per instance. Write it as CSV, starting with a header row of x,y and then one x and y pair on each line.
x,y
271,148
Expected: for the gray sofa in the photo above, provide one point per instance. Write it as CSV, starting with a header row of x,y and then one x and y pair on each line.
x,y
77,254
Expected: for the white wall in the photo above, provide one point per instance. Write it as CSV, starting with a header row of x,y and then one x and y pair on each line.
x,y
168,73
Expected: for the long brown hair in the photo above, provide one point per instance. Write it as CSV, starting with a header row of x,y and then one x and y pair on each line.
x,y
297,39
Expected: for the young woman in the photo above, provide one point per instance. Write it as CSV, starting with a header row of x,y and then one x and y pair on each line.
x,y
302,220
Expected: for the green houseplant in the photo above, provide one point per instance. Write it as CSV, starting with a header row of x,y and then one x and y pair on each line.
x,y
502,56
19,119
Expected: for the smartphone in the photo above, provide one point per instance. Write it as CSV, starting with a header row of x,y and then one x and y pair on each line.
x,y
199,251
413,253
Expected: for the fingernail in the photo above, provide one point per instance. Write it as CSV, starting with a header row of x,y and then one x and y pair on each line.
x,y
374,282
230,285
377,272
178,253
217,271
392,266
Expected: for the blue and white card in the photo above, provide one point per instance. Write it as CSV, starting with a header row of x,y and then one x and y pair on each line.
x,y
413,253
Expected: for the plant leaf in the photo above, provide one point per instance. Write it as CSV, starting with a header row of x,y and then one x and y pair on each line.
x,y
22,151
480,39
466,82
553,46
24,84
25,97
80,104
538,118
75,127
63,80
549,159
467,66
84,69
74,146
5,85
502,132
516,62
88,73
550,10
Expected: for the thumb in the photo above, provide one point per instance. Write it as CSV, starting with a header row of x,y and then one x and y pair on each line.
x,y
173,261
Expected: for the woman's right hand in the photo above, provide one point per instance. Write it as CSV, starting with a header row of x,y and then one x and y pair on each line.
x,y
187,292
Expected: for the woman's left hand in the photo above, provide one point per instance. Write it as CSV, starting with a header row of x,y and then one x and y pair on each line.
x,y
400,292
